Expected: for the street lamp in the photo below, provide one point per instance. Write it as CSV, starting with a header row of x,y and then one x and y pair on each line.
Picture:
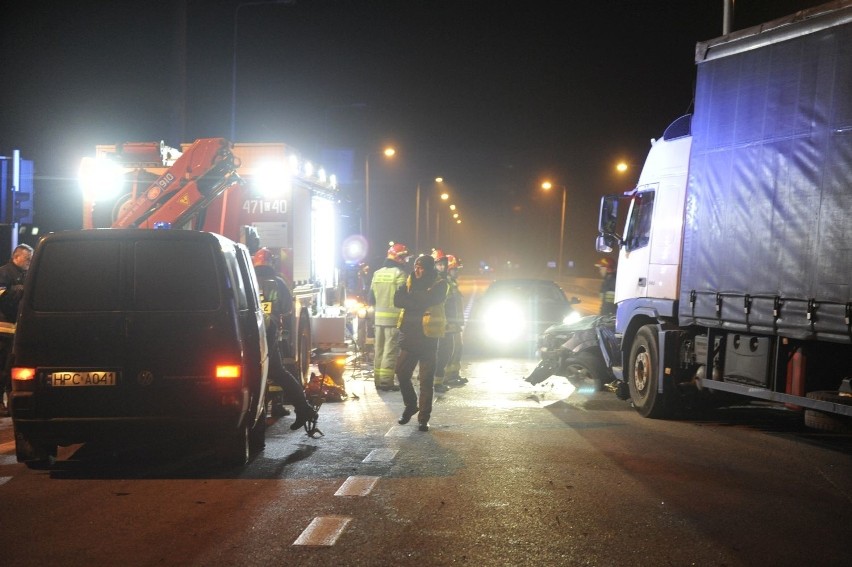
x,y
234,64
388,152
547,186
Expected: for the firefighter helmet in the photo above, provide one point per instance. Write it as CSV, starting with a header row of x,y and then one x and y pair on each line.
x,y
453,263
605,263
262,257
438,254
398,252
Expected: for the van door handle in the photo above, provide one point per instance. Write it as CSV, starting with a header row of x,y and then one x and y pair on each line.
x,y
643,282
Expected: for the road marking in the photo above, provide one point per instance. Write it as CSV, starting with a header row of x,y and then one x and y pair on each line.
x,y
8,460
323,531
400,431
8,446
357,486
380,455
5,479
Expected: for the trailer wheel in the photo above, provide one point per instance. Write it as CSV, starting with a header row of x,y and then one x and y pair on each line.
x,y
643,378
828,421
304,346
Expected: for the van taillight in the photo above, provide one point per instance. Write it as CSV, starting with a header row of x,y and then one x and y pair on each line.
x,y
228,371
20,373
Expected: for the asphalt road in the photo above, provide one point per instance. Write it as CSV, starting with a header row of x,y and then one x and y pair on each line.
x,y
510,474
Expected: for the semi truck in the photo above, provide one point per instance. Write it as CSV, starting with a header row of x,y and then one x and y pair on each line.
x,y
259,194
735,253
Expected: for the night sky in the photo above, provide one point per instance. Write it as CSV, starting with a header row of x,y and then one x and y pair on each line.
x,y
493,96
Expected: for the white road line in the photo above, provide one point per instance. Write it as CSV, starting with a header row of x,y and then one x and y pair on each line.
x,y
380,455
5,479
323,531
401,430
357,486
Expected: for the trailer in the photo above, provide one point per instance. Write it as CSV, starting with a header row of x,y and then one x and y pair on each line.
x,y
734,264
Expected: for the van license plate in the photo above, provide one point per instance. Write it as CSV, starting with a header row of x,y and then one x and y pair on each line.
x,y
91,378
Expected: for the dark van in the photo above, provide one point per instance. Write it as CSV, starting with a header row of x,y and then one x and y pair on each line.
x,y
129,334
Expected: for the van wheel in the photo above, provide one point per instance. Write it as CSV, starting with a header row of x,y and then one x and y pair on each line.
x,y
257,436
236,446
37,456
304,346
643,376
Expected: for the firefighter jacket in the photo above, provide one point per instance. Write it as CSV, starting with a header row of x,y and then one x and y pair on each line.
x,y
386,280
276,298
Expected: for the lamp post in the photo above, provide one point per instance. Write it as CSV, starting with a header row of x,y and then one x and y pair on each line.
x,y
547,186
234,64
417,216
388,152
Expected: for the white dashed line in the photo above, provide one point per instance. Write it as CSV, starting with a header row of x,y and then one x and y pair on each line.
x,y
5,479
323,531
401,430
380,455
357,486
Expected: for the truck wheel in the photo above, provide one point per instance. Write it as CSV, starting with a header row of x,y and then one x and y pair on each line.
x,y
828,421
37,456
304,346
235,446
643,378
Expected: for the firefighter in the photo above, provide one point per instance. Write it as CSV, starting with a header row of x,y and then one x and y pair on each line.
x,y
606,269
445,343
455,323
277,311
386,280
12,276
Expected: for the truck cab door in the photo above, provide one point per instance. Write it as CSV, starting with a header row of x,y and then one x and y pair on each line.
x,y
634,258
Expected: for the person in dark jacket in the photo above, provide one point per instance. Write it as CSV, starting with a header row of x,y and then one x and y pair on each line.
x,y
12,276
423,292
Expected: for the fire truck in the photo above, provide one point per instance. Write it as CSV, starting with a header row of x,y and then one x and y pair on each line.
x,y
259,194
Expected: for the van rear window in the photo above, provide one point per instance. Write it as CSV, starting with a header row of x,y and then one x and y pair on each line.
x,y
78,276
175,276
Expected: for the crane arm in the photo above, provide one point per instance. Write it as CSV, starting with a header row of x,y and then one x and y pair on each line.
x,y
199,175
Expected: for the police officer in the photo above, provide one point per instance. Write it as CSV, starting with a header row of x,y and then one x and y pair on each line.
x,y
422,323
12,276
386,280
